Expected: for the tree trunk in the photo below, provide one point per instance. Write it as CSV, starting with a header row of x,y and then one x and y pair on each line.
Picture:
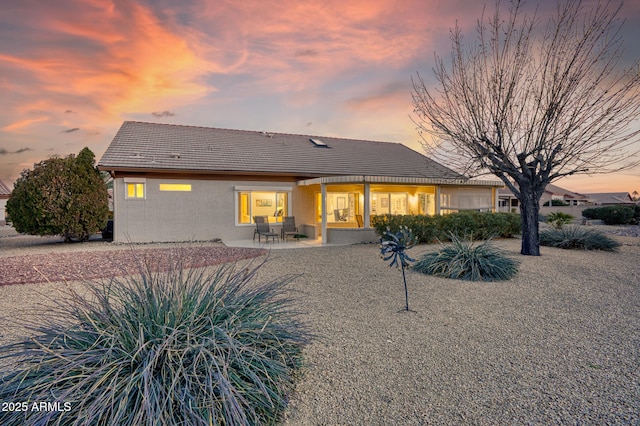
x,y
529,212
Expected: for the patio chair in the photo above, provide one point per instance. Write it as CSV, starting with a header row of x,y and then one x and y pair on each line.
x,y
259,219
340,216
262,229
288,227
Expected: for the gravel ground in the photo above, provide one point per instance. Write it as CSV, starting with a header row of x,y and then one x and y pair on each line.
x,y
558,344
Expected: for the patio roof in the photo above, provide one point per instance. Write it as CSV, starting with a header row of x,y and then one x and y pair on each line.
x,y
399,180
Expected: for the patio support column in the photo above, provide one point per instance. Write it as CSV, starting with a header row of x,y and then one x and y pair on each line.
x,y
438,212
323,192
367,202
496,200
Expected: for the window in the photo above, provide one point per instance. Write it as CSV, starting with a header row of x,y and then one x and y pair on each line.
x,y
453,200
135,190
273,204
389,203
426,203
175,187
342,206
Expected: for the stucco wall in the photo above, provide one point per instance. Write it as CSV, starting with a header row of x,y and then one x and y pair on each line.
x,y
575,211
304,204
206,212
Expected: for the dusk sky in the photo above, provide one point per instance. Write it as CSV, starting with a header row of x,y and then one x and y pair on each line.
x,y
71,71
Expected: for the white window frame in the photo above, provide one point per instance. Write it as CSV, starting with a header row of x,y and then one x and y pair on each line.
x,y
135,181
236,201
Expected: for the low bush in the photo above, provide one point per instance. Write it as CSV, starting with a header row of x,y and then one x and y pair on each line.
x,y
636,215
480,226
475,225
610,215
424,228
577,237
465,261
187,346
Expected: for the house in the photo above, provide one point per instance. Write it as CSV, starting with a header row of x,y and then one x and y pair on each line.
x,y
5,192
180,183
611,198
554,192
509,203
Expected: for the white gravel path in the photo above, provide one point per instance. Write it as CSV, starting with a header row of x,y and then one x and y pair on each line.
x,y
558,344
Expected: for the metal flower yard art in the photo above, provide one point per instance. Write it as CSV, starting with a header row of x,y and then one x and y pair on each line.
x,y
393,247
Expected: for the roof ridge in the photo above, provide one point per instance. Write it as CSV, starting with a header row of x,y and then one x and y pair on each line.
x,y
265,132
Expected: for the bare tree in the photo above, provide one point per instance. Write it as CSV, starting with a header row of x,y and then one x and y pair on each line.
x,y
533,100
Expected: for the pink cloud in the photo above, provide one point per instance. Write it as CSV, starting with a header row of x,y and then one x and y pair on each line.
x,y
21,124
110,61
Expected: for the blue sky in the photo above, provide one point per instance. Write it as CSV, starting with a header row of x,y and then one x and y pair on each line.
x,y
72,71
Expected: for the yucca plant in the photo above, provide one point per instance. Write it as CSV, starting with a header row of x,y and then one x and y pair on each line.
x,y
188,346
465,261
559,219
577,237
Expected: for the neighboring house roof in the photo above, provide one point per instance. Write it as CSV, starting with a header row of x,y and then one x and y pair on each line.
x,y
5,192
144,147
549,189
505,192
565,193
611,198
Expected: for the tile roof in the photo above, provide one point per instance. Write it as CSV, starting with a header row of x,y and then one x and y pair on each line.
x,y
556,190
143,146
4,190
611,198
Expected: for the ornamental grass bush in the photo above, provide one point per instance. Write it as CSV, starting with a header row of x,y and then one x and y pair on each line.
x,y
464,260
559,219
189,346
577,237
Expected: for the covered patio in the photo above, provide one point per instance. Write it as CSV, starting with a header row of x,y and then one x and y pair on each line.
x,y
344,205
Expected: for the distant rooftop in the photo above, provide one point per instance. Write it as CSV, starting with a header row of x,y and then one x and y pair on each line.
x,y
4,190
610,198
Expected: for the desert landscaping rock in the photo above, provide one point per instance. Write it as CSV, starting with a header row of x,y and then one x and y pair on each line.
x,y
558,344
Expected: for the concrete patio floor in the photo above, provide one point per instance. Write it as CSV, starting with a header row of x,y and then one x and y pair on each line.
x,y
290,243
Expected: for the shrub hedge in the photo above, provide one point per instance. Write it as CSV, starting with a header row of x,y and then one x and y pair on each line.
x,y
611,215
467,224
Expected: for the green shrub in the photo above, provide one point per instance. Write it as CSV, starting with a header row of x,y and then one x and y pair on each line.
x,y
428,229
559,219
187,346
577,237
424,228
610,215
556,203
60,196
480,226
462,260
636,215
